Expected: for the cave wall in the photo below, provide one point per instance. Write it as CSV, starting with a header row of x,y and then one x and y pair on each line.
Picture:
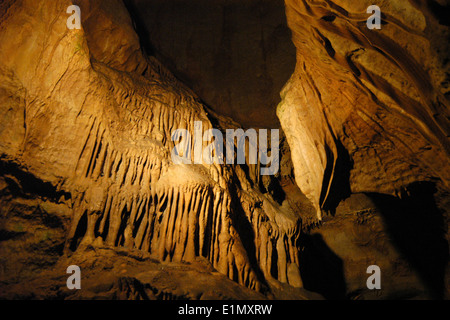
x,y
236,55
87,115
366,116
86,176
366,110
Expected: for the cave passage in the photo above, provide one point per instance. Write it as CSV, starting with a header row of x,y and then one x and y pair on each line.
x,y
235,55
417,228
90,121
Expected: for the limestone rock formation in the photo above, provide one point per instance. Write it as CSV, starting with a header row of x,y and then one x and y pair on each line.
x,y
86,175
88,118
367,110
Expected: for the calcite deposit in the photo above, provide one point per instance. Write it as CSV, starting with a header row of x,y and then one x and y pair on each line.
x,y
87,178
86,113
367,110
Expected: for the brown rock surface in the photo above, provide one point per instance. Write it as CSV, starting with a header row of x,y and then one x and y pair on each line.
x,y
86,176
366,110
236,55
87,124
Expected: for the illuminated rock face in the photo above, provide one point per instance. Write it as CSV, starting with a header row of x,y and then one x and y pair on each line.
x,y
366,110
86,175
85,112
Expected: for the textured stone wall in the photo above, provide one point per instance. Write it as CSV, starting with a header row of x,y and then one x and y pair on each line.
x,y
87,114
366,110
86,176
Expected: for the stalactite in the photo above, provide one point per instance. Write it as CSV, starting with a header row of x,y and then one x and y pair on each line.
x,y
134,197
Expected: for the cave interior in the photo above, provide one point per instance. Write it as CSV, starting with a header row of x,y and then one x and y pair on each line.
x,y
86,132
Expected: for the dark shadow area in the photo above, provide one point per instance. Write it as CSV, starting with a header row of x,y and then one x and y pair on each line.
x,y
124,217
144,37
79,232
7,234
417,229
321,269
340,177
26,185
276,190
246,234
235,55
441,12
